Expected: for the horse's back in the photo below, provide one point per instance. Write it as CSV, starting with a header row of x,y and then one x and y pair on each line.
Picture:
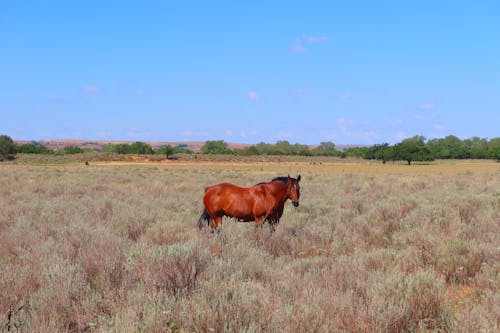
x,y
231,200
220,192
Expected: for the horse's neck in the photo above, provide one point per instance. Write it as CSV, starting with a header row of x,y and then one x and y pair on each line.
x,y
279,191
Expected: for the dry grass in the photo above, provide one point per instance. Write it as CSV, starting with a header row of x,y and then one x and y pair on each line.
x,y
370,249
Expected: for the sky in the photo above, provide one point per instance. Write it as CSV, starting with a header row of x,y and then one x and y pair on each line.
x,y
350,72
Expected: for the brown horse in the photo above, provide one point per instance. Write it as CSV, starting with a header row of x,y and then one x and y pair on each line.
x,y
259,203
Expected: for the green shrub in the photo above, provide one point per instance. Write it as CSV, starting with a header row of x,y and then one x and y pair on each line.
x,y
7,148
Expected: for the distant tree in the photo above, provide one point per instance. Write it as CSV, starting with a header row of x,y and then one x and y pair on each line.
x,y
168,150
325,149
355,152
381,152
495,153
122,148
72,150
412,149
494,148
33,148
215,147
264,148
248,151
109,148
7,148
301,150
478,147
448,147
141,148
282,147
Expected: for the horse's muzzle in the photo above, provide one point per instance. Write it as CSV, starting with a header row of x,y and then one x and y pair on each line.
x,y
295,203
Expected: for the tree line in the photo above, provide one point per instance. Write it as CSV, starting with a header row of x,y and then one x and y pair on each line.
x,y
416,148
8,149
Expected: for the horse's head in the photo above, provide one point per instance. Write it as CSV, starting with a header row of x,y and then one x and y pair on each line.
x,y
293,190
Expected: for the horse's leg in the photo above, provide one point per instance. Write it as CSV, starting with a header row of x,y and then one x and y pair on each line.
x,y
216,222
260,220
271,226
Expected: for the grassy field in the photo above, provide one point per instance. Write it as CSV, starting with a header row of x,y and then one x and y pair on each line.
x,y
114,246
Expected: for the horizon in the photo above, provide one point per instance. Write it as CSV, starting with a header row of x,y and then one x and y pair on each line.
x,y
89,140
351,73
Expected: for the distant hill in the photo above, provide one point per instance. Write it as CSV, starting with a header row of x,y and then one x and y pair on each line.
x,y
191,145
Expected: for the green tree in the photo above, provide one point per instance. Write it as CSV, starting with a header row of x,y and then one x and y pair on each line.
x,y
412,149
33,148
122,148
325,149
248,151
495,153
477,146
448,147
355,152
7,148
494,148
168,151
109,148
380,152
263,148
141,148
300,149
215,147
282,147
72,150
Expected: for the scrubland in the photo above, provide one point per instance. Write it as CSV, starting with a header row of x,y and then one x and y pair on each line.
x,y
116,248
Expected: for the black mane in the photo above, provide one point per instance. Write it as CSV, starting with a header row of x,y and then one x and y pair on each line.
x,y
282,179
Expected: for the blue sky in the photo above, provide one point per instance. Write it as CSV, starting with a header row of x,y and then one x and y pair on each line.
x,y
344,71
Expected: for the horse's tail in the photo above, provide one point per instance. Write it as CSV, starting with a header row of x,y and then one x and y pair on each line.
x,y
204,217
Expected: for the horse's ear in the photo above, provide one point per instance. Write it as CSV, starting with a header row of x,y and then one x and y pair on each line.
x,y
289,181
298,178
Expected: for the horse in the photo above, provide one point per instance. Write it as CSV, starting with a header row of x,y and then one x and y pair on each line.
x,y
259,203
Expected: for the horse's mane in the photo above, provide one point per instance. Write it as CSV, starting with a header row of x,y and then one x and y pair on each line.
x,y
282,179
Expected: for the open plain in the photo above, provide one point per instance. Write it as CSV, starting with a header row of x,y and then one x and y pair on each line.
x,y
114,246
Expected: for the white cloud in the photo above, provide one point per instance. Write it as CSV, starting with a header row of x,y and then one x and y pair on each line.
x,y
300,41
439,127
228,132
343,121
427,106
314,39
189,134
298,48
253,96
91,89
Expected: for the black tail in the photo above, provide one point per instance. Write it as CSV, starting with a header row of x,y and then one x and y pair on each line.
x,y
204,217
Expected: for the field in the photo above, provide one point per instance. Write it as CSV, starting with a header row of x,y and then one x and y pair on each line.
x,y
114,246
